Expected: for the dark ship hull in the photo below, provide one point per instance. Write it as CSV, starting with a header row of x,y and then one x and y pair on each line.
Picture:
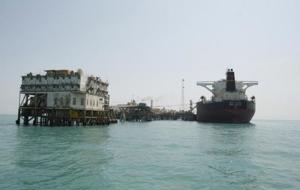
x,y
240,111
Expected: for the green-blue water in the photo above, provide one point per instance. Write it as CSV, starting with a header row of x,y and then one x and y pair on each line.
x,y
154,155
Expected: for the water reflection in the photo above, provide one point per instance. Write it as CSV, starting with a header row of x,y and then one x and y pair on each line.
x,y
228,125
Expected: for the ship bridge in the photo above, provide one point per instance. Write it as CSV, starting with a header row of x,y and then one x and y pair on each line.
x,y
229,88
214,86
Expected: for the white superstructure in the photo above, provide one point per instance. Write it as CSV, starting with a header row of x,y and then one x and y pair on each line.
x,y
220,91
67,89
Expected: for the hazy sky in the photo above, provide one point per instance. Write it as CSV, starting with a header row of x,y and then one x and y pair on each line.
x,y
145,48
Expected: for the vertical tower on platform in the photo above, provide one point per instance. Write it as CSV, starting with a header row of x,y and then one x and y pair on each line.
x,y
182,95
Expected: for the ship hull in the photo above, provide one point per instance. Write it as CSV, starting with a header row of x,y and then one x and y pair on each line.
x,y
226,111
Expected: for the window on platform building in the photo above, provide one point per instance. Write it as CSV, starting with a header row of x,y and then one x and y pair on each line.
x,y
74,101
87,102
82,101
61,100
55,101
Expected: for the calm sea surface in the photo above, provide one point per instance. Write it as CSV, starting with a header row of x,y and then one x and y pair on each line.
x,y
153,155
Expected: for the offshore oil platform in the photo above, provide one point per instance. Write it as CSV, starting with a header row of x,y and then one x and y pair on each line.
x,y
64,97
133,111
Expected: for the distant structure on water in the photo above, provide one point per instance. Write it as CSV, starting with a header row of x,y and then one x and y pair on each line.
x,y
64,97
229,103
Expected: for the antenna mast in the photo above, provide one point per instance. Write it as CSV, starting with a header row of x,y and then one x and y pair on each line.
x,y
182,95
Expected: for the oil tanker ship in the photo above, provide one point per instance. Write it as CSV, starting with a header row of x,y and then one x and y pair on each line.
x,y
229,103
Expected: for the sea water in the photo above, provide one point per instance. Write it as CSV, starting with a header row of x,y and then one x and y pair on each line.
x,y
151,155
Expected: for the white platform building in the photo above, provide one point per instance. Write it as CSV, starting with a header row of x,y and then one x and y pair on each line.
x,y
67,89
